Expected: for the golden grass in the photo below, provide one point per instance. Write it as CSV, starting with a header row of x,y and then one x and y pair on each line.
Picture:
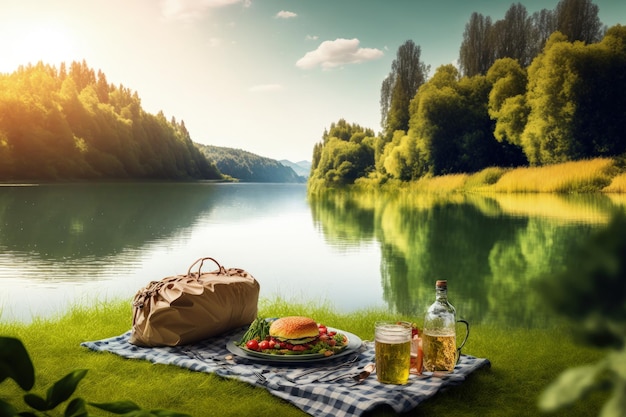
x,y
431,185
575,176
618,185
485,178
585,176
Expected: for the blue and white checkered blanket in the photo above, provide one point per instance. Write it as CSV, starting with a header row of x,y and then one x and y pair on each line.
x,y
317,398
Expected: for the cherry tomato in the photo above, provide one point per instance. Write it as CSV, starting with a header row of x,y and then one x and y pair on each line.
x,y
331,334
264,345
323,329
298,348
252,344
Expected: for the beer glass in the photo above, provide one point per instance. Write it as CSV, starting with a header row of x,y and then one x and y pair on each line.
x,y
393,352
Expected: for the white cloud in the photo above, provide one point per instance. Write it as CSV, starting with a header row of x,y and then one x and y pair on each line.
x,y
311,37
283,14
263,88
331,54
194,9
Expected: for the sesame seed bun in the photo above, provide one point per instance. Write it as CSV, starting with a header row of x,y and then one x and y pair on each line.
x,y
294,329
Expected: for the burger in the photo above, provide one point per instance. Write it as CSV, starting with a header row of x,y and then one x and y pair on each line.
x,y
296,330
292,335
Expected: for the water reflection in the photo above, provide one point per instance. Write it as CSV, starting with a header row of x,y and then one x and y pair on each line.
x,y
490,248
60,242
82,221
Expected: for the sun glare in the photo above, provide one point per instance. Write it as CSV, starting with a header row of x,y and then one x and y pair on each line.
x,y
48,43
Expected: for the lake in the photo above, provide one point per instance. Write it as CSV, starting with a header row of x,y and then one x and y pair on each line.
x,y
67,244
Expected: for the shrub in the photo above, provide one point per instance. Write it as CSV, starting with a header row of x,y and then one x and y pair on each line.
x,y
15,364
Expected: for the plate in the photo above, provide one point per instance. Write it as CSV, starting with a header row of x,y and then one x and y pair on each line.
x,y
354,344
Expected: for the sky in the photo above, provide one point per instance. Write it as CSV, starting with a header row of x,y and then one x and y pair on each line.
x,y
265,76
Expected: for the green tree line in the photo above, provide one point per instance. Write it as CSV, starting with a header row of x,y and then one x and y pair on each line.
x,y
521,36
564,104
71,123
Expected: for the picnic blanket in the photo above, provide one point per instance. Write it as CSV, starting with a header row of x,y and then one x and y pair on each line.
x,y
318,398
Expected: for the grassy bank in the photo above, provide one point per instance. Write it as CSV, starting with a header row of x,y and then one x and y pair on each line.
x,y
594,175
524,361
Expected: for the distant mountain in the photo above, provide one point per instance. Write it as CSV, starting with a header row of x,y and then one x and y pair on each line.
x,y
249,167
302,168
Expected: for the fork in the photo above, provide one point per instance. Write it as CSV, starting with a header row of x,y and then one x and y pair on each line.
x,y
260,377
356,377
211,359
331,369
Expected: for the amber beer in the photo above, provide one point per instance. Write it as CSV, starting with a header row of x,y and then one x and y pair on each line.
x,y
393,352
439,351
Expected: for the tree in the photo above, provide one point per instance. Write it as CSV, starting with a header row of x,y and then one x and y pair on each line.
x,y
476,54
401,158
507,100
522,37
407,74
579,21
576,102
345,154
452,128
512,36
551,81
60,124
599,121
543,24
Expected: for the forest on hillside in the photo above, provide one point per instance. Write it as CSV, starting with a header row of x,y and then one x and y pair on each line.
x,y
529,90
71,124
249,167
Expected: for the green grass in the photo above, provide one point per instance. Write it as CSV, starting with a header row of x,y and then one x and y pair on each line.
x,y
523,361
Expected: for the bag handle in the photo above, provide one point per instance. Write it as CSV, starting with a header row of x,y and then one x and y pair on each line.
x,y
201,260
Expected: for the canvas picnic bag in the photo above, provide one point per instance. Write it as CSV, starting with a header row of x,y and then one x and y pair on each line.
x,y
187,308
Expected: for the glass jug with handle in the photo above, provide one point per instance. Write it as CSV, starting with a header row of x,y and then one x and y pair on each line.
x,y
439,333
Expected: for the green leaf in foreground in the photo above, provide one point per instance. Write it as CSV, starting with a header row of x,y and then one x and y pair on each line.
x,y
6,409
15,363
76,408
64,388
570,386
37,402
130,409
616,405
117,407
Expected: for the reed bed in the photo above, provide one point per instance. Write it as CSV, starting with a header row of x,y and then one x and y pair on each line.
x,y
618,185
482,180
443,184
568,177
585,176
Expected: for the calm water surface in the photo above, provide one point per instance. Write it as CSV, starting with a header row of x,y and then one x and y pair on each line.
x,y
62,245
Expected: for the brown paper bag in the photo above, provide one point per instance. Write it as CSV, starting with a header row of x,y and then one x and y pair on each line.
x,y
187,308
